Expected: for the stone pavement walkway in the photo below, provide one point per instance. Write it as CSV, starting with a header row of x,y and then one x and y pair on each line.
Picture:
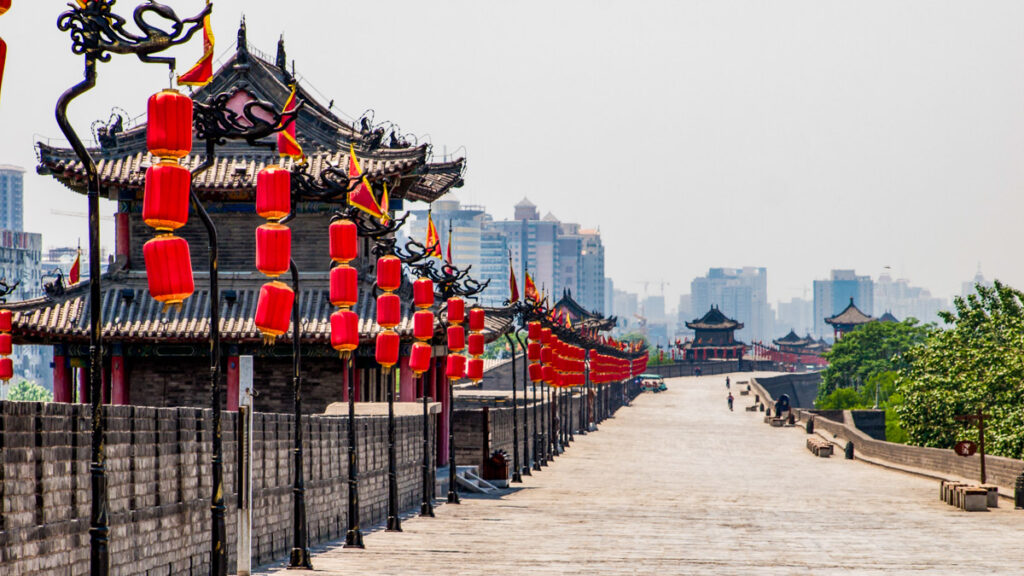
x,y
677,484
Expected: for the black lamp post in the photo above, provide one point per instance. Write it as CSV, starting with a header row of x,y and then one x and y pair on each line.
x,y
527,438
517,475
353,535
96,33
427,504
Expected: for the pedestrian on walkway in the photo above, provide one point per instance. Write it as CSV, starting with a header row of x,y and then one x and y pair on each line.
x,y
730,401
726,382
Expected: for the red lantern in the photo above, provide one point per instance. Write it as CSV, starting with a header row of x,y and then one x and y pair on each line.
x,y
169,124
423,293
389,273
549,375
547,355
476,344
387,348
344,331
5,5
274,192
5,344
168,269
6,369
536,373
273,249
165,203
475,369
456,310
274,310
419,357
456,338
5,320
533,351
389,310
456,367
423,325
344,286
535,331
545,336
343,241
476,319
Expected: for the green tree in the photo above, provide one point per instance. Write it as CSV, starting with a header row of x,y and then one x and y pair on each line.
x,y
977,363
869,350
26,391
879,391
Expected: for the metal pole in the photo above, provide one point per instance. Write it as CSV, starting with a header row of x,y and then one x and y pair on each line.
x,y
527,439
244,443
353,536
981,444
517,475
571,409
394,522
99,524
453,490
300,548
537,456
427,505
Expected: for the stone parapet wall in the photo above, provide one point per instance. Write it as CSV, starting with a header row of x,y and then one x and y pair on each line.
x,y
159,484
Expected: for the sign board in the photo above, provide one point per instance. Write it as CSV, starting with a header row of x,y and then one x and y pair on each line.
x,y
966,448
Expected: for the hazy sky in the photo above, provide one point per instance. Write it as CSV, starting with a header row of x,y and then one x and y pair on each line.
x,y
797,135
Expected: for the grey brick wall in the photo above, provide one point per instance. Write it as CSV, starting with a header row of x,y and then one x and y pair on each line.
x,y
158,470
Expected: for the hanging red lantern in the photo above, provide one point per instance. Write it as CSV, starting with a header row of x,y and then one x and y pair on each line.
x,y
165,203
423,325
274,310
423,293
475,369
535,331
169,124
168,269
476,319
547,355
274,192
6,369
386,351
344,286
533,351
5,5
389,310
273,249
5,344
549,374
389,273
343,245
456,338
456,366
476,344
5,320
456,310
344,331
419,357
545,336
536,373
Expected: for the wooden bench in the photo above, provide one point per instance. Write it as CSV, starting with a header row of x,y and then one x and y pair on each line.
x,y
819,446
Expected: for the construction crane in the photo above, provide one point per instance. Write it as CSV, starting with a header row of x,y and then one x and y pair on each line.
x,y
662,283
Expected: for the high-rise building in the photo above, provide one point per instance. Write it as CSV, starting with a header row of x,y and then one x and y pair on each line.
x,y
904,301
591,277
533,243
741,294
796,315
464,222
609,296
968,288
494,254
570,245
832,296
11,194
625,307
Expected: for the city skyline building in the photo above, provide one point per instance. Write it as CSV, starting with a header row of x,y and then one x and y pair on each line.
x,y
12,190
903,301
832,296
741,294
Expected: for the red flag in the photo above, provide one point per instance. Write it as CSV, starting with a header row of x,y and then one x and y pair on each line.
x,y
76,269
385,206
448,256
362,197
433,239
3,60
513,287
287,145
530,289
202,72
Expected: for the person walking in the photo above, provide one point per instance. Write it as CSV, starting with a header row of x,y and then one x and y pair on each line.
x,y
730,401
726,382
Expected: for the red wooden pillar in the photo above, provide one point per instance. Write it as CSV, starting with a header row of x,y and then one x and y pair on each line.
x,y
406,381
63,391
233,381
122,235
118,382
83,385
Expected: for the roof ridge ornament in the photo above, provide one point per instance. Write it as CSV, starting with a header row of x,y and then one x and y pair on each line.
x,y
242,48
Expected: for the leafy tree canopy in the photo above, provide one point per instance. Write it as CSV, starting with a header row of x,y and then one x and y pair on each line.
x,y
869,350
26,391
977,363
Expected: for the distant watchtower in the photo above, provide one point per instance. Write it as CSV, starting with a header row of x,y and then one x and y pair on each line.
x,y
714,337
847,320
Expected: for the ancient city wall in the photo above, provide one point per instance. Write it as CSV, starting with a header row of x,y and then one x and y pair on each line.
x,y
158,470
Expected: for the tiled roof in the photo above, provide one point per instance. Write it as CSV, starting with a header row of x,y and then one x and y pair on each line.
x,y
714,320
888,317
131,315
580,314
850,316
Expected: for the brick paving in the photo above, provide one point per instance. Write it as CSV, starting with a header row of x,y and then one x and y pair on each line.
x,y
677,484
